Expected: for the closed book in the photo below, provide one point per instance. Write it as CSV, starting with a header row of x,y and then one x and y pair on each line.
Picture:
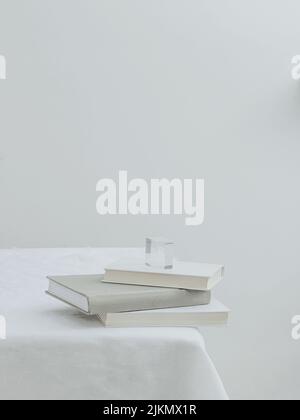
x,y
184,275
213,314
92,296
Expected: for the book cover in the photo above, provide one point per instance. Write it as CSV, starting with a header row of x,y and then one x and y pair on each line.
x,y
89,294
213,314
184,275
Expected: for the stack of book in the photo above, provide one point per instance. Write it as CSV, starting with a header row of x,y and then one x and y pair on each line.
x,y
131,294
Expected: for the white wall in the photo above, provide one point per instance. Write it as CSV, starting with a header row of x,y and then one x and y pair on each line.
x,y
194,88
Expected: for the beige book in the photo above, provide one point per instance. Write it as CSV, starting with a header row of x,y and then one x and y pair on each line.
x,y
213,314
184,275
92,296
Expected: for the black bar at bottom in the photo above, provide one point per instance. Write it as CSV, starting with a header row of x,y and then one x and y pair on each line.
x,y
113,409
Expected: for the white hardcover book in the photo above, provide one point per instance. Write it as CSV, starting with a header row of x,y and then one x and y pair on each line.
x,y
184,275
213,314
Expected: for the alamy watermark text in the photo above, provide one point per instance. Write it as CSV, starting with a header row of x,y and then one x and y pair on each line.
x,y
2,67
296,67
2,328
296,327
157,197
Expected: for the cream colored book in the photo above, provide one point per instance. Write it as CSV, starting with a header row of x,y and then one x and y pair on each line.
x,y
90,295
184,275
213,314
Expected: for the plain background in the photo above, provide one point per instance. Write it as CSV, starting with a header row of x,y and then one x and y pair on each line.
x,y
165,88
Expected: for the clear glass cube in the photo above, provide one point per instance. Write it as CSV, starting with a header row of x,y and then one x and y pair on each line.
x,y
160,253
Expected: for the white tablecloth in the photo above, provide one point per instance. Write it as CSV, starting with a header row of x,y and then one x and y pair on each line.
x,y
54,352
